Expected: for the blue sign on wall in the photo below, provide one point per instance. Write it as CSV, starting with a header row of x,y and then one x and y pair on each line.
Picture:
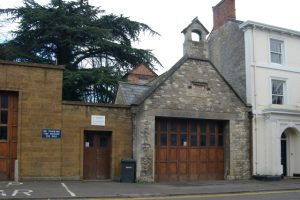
x,y
51,133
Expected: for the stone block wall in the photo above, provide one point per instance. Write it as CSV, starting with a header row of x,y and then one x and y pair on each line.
x,y
40,91
76,119
178,97
40,106
196,49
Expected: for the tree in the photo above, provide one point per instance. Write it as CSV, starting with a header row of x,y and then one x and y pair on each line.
x,y
96,48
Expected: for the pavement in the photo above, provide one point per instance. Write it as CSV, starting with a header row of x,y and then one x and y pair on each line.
x,y
110,189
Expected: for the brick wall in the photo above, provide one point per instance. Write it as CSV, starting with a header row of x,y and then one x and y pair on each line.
x,y
138,72
222,12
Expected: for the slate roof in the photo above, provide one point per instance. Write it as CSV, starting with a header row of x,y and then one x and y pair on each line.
x,y
129,93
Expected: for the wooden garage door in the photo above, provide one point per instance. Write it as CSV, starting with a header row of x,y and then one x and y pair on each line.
x,y
8,134
189,150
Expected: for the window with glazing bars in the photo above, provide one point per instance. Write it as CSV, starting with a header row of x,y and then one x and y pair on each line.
x,y
276,51
278,91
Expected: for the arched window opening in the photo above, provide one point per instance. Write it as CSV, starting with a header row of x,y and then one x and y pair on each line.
x,y
196,36
283,135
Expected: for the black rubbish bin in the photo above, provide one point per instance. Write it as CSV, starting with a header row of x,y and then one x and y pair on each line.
x,y
128,170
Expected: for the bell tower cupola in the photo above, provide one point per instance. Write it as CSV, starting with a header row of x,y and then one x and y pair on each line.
x,y
195,44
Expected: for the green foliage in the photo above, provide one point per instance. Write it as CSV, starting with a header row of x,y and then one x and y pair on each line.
x,y
77,35
91,85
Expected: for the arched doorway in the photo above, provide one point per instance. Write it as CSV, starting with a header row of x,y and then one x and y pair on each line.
x,y
290,151
284,153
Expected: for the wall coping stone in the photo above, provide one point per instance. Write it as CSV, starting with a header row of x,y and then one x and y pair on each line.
x,y
80,103
37,65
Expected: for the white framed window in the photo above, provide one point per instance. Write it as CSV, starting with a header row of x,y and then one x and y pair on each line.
x,y
276,51
279,91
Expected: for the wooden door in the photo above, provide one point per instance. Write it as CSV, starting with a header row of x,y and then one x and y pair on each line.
x,y
97,155
188,150
8,134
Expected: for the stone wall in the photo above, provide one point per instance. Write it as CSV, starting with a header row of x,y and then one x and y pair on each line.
x,y
76,119
39,88
227,53
194,90
196,49
40,91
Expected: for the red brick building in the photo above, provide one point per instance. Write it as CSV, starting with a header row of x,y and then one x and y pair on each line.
x,y
141,74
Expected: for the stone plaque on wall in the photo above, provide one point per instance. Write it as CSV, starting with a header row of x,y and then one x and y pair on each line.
x,y
198,89
98,120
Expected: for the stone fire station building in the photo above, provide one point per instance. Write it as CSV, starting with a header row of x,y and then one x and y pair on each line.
x,y
187,124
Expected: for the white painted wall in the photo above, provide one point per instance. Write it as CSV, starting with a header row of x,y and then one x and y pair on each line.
x,y
260,70
294,152
269,119
262,47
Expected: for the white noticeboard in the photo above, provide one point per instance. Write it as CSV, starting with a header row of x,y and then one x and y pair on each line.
x,y
98,120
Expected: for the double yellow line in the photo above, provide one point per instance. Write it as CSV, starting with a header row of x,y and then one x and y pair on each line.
x,y
199,196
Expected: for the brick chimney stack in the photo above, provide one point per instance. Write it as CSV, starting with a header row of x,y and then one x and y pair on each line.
x,y
222,12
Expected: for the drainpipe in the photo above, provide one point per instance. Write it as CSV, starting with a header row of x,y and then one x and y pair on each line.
x,y
255,96
250,117
133,138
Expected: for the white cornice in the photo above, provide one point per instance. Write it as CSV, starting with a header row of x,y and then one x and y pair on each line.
x,y
252,24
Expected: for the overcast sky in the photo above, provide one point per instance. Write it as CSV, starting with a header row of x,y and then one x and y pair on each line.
x,y
170,17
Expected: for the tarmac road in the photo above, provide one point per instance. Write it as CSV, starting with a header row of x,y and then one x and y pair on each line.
x,y
269,195
247,189
265,195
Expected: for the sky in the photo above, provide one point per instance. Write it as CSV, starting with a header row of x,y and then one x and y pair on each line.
x,y
170,17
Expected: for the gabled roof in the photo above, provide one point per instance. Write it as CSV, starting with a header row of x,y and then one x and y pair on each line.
x,y
195,20
140,65
161,79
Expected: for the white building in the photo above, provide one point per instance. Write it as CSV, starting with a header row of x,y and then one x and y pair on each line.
x,y
262,62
